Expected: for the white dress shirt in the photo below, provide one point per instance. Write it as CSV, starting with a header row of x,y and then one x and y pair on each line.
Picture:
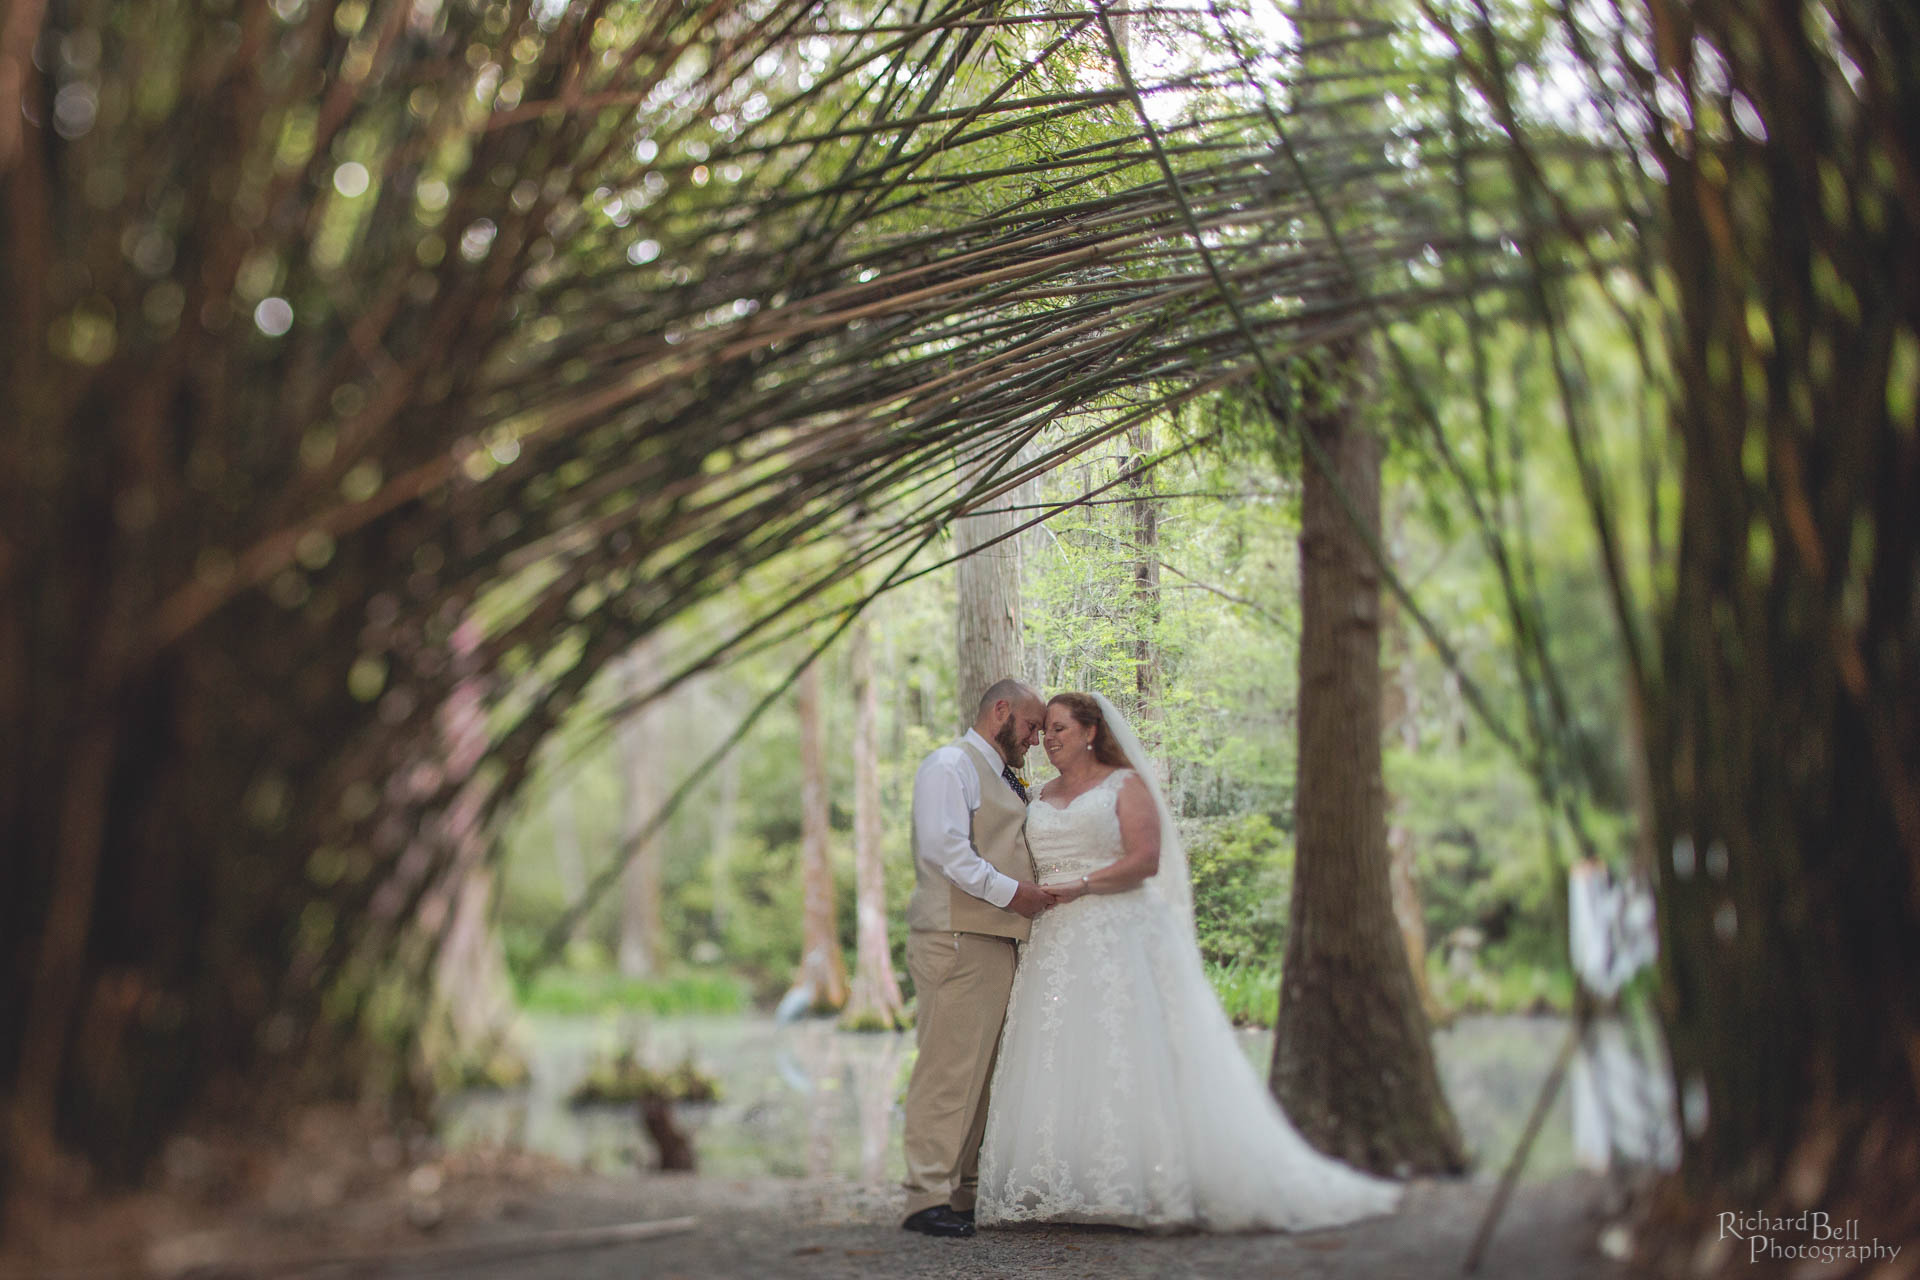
x,y
946,791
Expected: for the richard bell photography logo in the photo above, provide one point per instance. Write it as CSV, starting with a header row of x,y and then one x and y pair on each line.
x,y
1811,1236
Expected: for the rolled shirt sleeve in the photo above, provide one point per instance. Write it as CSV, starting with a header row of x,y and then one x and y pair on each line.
x,y
945,794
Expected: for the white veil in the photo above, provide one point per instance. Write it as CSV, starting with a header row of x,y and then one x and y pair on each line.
x,y
1172,882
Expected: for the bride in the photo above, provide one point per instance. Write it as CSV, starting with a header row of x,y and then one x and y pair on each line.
x,y
1121,1095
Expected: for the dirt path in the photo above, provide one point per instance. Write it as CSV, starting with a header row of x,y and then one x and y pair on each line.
x,y
778,1229
332,1194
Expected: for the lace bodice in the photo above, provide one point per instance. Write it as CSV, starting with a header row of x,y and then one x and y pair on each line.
x,y
1080,837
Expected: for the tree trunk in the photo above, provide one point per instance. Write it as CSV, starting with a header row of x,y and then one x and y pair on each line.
x,y
641,756
569,860
1401,717
1781,724
823,971
1404,884
1353,1059
473,992
875,1003
987,605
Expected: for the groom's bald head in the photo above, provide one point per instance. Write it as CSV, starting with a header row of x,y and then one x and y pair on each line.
x,y
1009,691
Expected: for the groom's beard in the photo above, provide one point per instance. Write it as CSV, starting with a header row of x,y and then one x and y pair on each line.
x,y
1009,743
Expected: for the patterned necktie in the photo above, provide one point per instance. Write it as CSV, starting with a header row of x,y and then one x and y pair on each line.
x,y
1014,782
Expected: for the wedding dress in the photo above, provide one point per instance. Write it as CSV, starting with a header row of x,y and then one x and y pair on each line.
x,y
1121,1095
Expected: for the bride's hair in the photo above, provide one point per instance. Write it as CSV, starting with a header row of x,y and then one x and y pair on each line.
x,y
1086,711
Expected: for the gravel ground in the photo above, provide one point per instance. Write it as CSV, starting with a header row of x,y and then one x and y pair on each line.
x,y
780,1228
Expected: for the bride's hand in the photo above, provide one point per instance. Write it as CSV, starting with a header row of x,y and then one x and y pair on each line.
x,y
1069,891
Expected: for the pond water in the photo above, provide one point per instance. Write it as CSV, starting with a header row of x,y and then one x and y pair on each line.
x,y
808,1100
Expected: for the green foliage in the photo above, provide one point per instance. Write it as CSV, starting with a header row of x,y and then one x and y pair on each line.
x,y
1250,993
731,856
1222,636
1242,881
1482,857
622,1077
1222,633
872,1020
505,1067
758,929
558,990
1500,984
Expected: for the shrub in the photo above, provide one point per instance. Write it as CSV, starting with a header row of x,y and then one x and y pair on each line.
x,y
572,991
1242,879
1249,993
1500,983
623,1078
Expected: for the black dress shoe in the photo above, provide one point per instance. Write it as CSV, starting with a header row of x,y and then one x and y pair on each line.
x,y
940,1220
965,1215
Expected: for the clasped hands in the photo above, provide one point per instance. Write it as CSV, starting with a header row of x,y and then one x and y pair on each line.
x,y
1032,899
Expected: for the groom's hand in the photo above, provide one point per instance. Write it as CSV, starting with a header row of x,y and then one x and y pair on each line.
x,y
1030,900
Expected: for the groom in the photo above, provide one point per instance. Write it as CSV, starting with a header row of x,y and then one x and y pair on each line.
x,y
973,894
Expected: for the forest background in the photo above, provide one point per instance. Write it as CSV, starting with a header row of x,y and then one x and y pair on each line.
x,y
347,463
1204,618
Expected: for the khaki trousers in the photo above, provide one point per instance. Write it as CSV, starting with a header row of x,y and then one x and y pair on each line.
x,y
962,981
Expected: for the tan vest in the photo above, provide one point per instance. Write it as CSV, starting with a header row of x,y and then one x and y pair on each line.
x,y
999,836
